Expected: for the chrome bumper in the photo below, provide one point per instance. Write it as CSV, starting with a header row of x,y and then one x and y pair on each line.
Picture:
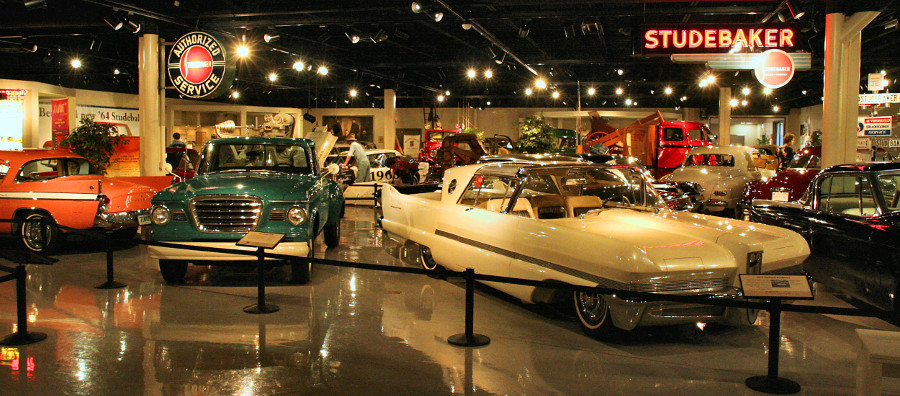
x,y
120,219
628,314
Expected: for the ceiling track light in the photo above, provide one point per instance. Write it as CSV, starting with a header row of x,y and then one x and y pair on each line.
x,y
114,22
132,26
270,37
353,37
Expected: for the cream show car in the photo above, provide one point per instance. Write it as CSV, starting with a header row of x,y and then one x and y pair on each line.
x,y
589,225
722,172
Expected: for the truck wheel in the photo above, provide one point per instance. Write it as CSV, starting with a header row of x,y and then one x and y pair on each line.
x,y
173,271
333,234
33,238
593,314
301,269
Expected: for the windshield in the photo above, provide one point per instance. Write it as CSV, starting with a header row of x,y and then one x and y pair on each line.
x,y
804,161
227,157
709,160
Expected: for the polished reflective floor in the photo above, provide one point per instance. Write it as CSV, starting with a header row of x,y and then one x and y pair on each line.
x,y
359,332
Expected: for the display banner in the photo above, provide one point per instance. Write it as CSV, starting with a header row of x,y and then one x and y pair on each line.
x,y
126,161
667,39
12,118
200,67
874,126
775,69
60,120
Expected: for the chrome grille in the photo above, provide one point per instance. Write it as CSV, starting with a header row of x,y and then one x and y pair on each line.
x,y
686,285
226,213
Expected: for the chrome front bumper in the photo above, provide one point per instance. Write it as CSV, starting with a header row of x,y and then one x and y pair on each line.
x,y
628,314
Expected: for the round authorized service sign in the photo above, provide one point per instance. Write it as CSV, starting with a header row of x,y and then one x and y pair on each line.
x,y
199,66
775,68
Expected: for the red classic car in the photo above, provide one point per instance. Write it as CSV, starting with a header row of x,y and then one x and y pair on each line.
x,y
789,184
59,187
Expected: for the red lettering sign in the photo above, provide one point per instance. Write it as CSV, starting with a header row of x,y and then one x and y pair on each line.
x,y
775,69
715,38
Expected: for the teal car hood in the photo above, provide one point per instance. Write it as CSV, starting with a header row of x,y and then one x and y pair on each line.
x,y
270,186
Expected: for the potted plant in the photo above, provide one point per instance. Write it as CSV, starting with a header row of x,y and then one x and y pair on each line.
x,y
94,141
534,135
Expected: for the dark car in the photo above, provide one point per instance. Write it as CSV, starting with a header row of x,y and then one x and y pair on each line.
x,y
788,184
850,216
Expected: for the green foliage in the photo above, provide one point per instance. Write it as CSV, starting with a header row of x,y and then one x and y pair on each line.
x,y
763,140
534,135
96,142
476,131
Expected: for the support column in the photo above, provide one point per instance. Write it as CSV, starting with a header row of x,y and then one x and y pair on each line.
x,y
153,144
842,51
390,113
31,128
724,116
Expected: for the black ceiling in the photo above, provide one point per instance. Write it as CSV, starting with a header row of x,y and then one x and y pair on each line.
x,y
571,42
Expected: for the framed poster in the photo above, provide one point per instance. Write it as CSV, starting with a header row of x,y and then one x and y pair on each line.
x,y
343,126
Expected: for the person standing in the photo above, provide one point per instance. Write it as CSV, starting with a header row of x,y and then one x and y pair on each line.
x,y
358,153
785,151
176,141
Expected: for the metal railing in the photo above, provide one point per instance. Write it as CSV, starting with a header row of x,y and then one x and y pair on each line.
x,y
771,383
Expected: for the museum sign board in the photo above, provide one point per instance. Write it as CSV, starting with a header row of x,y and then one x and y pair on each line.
x,y
200,67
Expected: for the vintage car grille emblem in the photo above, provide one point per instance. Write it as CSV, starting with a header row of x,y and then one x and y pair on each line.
x,y
226,213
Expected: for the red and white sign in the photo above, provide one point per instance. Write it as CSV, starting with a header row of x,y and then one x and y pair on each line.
x,y
60,120
775,68
199,66
867,99
876,82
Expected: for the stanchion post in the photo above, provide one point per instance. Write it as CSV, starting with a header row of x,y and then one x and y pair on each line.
x,y
469,338
21,336
110,276
772,383
261,307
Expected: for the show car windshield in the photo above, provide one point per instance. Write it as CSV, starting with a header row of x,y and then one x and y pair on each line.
x,y
285,158
558,192
709,160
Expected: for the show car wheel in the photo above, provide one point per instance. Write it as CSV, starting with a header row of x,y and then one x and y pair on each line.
x,y
31,234
333,234
301,269
173,271
426,259
593,314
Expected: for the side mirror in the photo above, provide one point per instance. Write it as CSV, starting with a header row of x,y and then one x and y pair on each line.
x,y
168,168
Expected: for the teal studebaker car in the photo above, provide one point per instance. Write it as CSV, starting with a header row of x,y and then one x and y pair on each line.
x,y
247,184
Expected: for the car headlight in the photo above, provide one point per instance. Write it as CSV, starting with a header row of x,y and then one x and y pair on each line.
x,y
160,215
296,215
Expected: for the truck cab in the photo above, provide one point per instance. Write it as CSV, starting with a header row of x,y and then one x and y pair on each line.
x,y
676,138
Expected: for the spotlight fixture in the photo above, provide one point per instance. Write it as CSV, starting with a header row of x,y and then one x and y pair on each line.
x,y
683,98
555,94
745,91
775,108
524,29
744,102
416,7
620,72
354,38
273,76
437,15
528,91
298,65
353,93
243,51
322,70
767,91
466,26
796,14
488,73
883,72
628,102
379,36
734,102
270,37
76,63
116,71
500,58
619,91
447,93
132,26
440,98
471,73
235,94
29,46
711,78
668,90
591,91
540,83
114,22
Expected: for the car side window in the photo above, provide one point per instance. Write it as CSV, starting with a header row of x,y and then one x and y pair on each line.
x,y
696,134
847,194
488,192
4,169
674,134
38,170
889,184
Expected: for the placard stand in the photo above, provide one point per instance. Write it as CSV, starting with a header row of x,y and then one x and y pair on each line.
x,y
261,241
775,288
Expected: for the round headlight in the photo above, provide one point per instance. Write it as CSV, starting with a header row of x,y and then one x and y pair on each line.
x,y
296,215
160,215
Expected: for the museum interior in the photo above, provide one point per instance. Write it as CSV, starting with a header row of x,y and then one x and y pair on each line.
x,y
647,197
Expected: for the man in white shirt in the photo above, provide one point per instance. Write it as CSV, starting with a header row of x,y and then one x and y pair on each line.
x,y
358,152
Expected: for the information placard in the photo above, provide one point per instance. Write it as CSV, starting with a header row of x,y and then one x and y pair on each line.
x,y
776,286
266,240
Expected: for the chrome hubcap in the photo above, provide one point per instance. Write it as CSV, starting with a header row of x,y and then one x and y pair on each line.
x,y
592,307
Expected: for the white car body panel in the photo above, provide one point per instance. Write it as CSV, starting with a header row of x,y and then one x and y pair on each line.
x,y
617,248
730,179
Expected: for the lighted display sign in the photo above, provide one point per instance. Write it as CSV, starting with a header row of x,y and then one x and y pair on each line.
x,y
716,38
775,68
13,94
200,67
